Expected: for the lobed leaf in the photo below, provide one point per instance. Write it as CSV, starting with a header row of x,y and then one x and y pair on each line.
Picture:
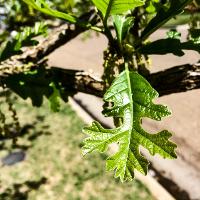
x,y
131,96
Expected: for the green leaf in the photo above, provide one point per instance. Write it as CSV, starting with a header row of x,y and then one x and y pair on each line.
x,y
122,26
43,7
174,34
194,35
169,45
116,7
131,96
34,85
164,15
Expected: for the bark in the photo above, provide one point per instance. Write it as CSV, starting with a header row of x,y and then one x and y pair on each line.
x,y
177,79
35,55
174,80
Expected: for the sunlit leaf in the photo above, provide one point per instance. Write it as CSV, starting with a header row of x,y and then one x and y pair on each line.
x,y
116,7
131,96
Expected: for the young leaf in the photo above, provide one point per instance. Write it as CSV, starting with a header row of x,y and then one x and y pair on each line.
x,y
163,15
122,25
116,7
132,97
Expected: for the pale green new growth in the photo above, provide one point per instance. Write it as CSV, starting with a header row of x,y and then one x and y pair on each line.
x,y
122,26
132,97
115,7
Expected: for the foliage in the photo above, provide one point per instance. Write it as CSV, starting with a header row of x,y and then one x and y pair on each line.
x,y
163,14
131,96
35,85
172,45
127,25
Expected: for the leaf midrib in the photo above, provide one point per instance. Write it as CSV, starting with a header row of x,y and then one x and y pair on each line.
x,y
129,88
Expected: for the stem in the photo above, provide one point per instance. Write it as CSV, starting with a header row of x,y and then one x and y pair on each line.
x,y
97,29
107,31
126,66
108,12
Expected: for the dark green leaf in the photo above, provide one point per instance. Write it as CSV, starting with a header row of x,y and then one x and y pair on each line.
x,y
163,15
32,85
38,84
165,46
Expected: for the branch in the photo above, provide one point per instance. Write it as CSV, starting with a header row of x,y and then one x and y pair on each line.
x,y
174,80
58,37
79,81
177,79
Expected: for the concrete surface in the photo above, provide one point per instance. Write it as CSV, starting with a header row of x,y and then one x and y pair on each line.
x,y
184,122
